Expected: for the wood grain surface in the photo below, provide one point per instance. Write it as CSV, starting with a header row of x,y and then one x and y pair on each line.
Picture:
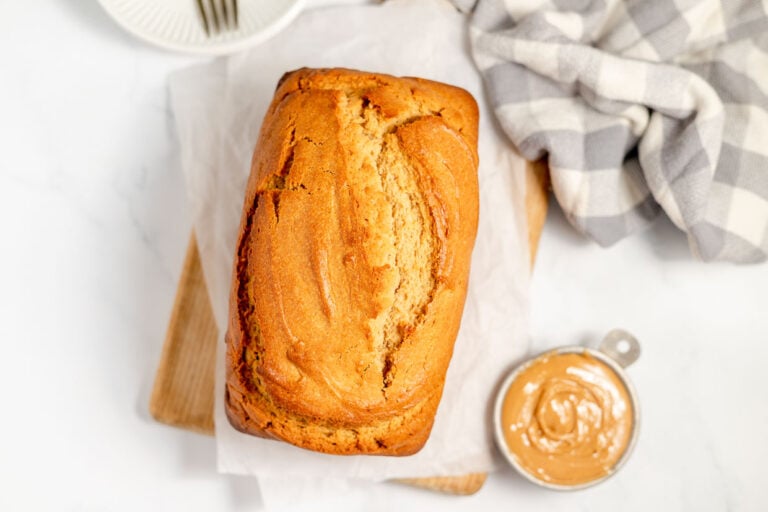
x,y
183,393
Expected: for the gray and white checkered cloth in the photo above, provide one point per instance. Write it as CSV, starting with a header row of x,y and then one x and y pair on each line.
x,y
640,105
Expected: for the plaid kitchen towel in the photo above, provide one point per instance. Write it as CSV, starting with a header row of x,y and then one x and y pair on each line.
x,y
640,105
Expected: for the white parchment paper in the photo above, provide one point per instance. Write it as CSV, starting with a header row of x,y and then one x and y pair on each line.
x,y
219,107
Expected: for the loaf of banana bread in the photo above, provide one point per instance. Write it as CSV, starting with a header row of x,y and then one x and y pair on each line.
x,y
352,261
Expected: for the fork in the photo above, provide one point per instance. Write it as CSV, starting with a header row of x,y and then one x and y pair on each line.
x,y
218,15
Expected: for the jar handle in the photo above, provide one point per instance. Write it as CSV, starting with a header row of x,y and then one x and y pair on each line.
x,y
620,346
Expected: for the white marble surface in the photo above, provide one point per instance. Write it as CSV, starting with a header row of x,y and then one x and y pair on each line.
x,y
93,230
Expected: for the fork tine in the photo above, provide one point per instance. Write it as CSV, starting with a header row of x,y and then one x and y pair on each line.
x,y
225,14
215,14
232,11
203,15
235,12
229,13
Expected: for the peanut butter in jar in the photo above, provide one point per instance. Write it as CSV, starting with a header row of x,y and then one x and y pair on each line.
x,y
567,419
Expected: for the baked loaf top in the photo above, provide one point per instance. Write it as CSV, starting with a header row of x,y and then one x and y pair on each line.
x,y
352,262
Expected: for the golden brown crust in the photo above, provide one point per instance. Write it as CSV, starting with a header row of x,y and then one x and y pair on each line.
x,y
352,262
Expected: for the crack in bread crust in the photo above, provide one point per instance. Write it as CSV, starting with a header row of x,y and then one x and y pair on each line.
x,y
413,225
344,305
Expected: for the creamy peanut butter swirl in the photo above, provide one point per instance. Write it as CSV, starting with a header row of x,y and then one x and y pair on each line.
x,y
567,418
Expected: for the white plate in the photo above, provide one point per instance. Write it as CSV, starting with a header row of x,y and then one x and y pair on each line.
x,y
177,25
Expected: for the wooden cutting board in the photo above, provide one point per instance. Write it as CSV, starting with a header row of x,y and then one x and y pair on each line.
x,y
183,393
